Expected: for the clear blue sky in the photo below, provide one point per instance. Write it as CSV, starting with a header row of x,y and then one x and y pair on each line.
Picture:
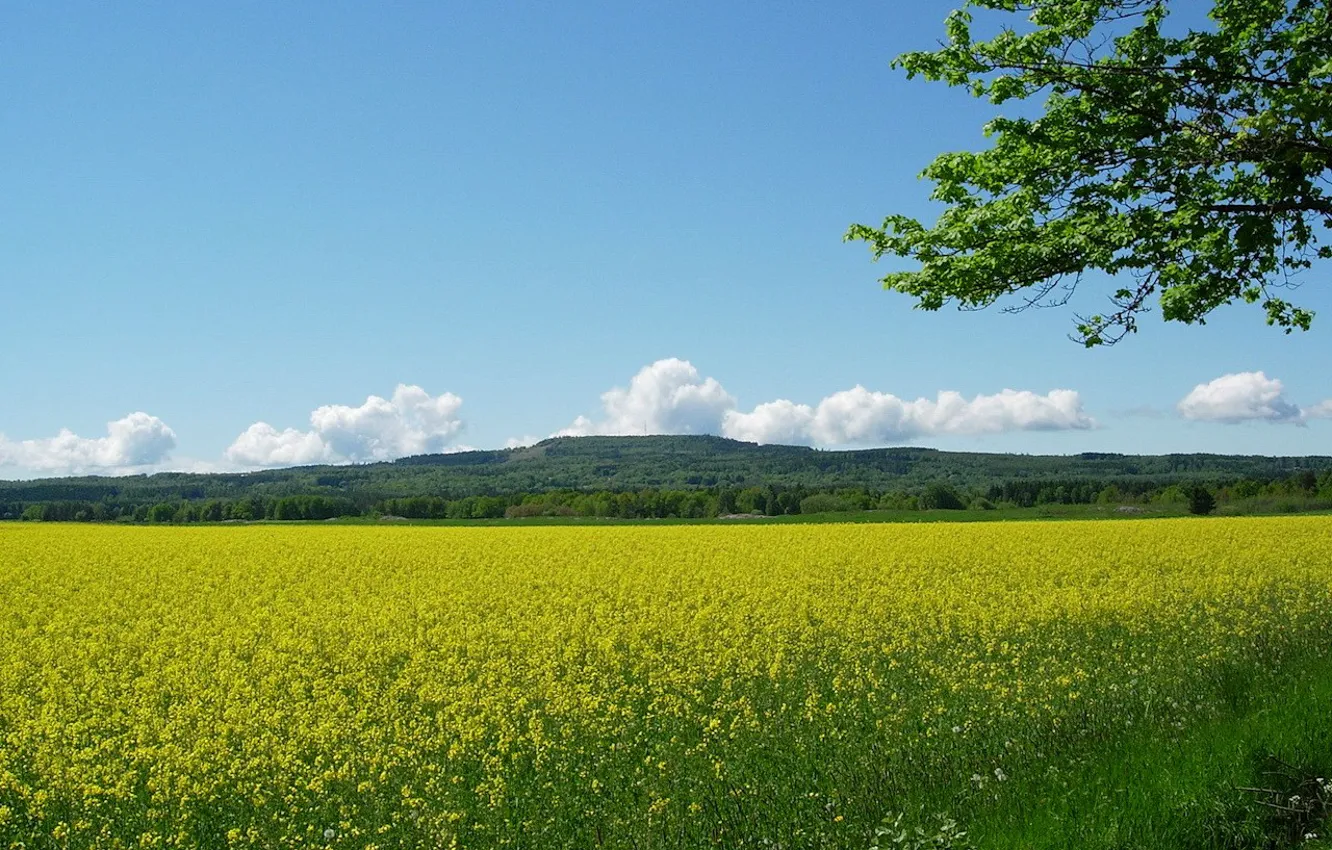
x,y
239,214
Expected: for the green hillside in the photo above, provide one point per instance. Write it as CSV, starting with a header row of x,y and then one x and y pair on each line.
x,y
619,464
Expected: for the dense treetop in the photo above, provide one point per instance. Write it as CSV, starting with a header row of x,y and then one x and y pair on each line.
x,y
634,463
1188,161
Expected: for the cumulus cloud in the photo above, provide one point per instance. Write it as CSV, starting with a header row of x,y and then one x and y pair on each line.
x,y
138,440
263,445
665,397
671,397
411,422
859,416
1322,410
778,421
1241,397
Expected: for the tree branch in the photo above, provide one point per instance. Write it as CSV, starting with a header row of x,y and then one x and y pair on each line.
x,y
1290,206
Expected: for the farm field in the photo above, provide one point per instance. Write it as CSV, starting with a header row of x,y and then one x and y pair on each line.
x,y
1072,684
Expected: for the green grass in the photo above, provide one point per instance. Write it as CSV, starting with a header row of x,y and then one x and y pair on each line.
x,y
1051,512
1179,791
1040,512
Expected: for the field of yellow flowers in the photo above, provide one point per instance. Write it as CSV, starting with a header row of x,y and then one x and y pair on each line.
x,y
636,686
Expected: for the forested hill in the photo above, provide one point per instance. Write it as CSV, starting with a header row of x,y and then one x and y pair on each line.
x,y
668,462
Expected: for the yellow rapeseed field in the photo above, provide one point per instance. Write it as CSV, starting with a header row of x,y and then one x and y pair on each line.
x,y
673,686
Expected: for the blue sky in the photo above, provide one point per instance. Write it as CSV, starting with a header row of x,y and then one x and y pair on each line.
x,y
248,213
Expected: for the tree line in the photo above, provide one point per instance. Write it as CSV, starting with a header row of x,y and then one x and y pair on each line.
x,y
1300,491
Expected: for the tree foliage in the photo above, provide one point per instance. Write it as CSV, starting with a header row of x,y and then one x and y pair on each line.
x,y
1303,489
745,477
1189,164
1201,500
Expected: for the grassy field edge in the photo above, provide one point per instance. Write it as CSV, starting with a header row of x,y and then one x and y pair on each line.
x,y
1187,791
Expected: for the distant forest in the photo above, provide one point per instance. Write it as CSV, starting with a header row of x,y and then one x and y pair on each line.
x,y
671,476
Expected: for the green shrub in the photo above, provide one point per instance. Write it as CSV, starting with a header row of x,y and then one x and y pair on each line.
x,y
824,503
1201,500
941,497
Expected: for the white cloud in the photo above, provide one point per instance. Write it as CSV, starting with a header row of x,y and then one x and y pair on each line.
x,y
263,445
136,441
411,422
1321,410
859,416
670,397
1241,397
521,442
778,421
665,397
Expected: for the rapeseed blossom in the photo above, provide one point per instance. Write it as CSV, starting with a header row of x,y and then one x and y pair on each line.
x,y
284,687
